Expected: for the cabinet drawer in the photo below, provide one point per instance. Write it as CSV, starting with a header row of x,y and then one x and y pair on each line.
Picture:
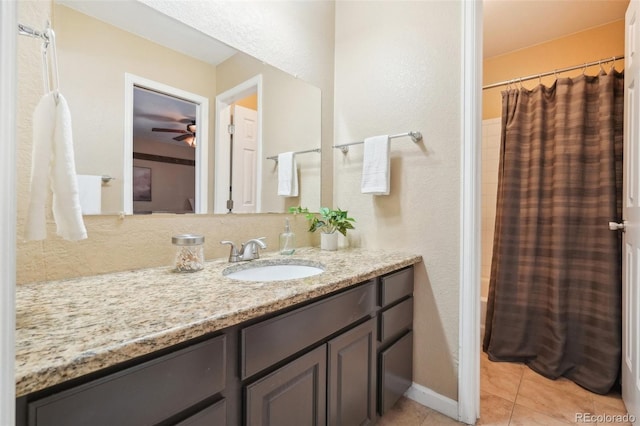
x,y
145,394
214,415
395,286
395,320
396,372
273,340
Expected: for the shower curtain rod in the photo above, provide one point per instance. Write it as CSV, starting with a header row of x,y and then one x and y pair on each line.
x,y
544,74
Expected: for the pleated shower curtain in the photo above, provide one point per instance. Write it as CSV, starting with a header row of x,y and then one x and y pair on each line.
x,y
555,290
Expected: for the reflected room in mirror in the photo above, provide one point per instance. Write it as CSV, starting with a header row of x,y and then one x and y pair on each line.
x,y
106,49
164,146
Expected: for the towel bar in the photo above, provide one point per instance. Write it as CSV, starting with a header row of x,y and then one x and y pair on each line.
x,y
275,157
415,137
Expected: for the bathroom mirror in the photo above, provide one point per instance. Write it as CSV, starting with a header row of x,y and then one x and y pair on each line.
x,y
102,43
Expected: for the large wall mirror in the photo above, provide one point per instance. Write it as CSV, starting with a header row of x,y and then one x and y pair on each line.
x,y
182,122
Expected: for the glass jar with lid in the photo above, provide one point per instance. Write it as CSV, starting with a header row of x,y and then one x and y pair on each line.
x,y
189,252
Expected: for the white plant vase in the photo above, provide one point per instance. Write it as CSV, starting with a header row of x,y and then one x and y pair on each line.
x,y
329,241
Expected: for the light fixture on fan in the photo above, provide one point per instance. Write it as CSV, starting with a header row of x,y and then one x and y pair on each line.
x,y
188,136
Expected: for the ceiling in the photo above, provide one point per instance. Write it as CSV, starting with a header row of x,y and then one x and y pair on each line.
x,y
152,109
514,24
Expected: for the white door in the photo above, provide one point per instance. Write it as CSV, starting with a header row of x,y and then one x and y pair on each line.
x,y
631,215
245,160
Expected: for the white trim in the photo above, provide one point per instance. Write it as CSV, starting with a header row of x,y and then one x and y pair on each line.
x,y
433,400
470,250
8,83
202,148
221,149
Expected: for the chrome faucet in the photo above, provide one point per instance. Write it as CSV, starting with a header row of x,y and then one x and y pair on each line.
x,y
248,250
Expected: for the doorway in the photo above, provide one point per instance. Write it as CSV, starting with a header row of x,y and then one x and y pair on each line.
x,y
540,57
185,117
238,149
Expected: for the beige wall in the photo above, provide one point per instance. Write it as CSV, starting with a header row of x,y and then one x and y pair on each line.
x,y
290,122
390,78
597,43
601,42
250,102
92,68
145,241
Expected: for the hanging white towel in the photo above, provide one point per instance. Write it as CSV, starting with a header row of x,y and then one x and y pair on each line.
x,y
53,166
287,175
376,170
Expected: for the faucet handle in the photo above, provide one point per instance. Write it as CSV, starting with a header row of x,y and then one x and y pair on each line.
x,y
250,249
233,254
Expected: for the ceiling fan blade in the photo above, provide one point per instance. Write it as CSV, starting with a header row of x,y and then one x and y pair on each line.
x,y
158,129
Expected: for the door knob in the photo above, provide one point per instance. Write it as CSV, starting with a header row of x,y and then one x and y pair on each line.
x,y
615,226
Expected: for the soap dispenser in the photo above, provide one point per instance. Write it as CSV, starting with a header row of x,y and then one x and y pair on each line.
x,y
287,240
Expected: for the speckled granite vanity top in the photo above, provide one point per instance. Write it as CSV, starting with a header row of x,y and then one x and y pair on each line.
x,y
69,328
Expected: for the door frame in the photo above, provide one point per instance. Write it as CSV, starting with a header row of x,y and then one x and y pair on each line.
x,y
202,147
221,144
8,205
470,249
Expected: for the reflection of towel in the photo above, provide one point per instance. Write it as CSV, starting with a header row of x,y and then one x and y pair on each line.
x,y
376,172
53,166
287,175
90,193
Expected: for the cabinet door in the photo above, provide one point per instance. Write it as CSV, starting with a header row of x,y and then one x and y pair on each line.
x,y
293,395
351,376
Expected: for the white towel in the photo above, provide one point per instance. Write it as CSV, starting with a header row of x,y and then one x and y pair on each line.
x,y
53,166
287,175
90,193
376,171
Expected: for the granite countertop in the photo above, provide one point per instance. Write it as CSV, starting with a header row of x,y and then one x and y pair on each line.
x,y
69,328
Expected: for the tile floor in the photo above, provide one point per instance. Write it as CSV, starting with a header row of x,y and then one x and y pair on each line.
x,y
512,394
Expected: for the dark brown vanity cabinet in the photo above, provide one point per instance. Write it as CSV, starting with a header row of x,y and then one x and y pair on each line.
x,y
332,384
341,359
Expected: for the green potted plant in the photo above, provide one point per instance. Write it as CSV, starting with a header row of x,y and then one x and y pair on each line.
x,y
328,222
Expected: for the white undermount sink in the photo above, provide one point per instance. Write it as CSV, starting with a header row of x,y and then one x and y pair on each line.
x,y
273,270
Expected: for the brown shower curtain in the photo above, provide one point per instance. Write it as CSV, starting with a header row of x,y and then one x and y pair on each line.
x,y
555,291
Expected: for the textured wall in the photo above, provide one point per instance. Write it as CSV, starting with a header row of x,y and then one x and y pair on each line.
x,y
135,242
398,69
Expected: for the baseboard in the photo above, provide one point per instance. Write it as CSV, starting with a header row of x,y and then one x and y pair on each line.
x,y
433,400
